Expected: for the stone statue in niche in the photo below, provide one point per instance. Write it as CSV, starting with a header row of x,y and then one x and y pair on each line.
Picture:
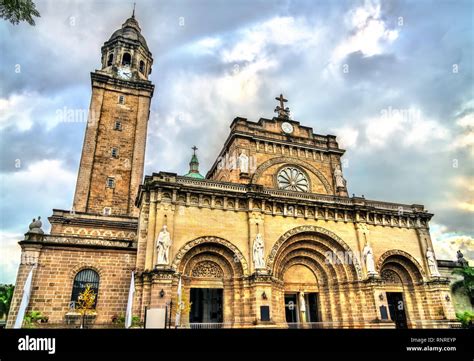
x,y
259,252
338,178
369,259
243,162
432,264
163,245
302,305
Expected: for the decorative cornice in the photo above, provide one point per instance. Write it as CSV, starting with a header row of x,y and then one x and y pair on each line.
x,y
102,78
93,220
83,242
359,209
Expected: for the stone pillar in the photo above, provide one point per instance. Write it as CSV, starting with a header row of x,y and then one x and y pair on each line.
x,y
150,246
424,241
30,255
263,295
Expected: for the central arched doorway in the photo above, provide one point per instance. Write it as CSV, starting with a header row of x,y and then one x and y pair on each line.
x,y
301,294
317,271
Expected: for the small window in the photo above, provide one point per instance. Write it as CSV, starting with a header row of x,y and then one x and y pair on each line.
x,y
110,182
118,125
114,152
110,59
107,211
126,59
81,281
121,99
142,67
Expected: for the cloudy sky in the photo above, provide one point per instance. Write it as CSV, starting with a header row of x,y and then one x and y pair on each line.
x,y
393,80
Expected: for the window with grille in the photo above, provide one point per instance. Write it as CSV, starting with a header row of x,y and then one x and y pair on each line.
x,y
115,152
82,279
121,99
118,125
110,182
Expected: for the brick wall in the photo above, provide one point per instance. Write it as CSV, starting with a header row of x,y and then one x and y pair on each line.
x,y
53,281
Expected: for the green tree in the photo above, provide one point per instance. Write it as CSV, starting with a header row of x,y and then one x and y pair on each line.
x,y
15,11
6,295
466,318
466,283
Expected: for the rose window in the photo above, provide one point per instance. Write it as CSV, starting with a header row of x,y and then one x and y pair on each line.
x,y
292,179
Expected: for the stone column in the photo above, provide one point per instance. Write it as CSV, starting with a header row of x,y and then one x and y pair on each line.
x,y
424,241
150,246
30,253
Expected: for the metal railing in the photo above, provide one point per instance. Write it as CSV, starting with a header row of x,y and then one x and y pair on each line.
x,y
412,324
210,325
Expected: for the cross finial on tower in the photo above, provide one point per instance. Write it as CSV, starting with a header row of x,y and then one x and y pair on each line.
x,y
194,148
280,109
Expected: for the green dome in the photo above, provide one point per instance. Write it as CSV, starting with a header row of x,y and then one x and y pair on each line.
x,y
194,175
194,167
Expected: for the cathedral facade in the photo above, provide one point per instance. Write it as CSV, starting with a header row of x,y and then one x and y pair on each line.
x,y
269,237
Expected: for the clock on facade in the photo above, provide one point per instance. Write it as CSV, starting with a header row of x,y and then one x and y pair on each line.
x,y
287,127
124,73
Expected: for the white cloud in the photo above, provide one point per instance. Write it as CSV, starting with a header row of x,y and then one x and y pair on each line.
x,y
16,110
447,243
347,137
207,45
366,32
466,137
296,34
31,192
409,126
369,33
11,253
26,109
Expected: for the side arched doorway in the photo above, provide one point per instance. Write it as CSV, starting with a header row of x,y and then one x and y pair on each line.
x,y
401,278
211,273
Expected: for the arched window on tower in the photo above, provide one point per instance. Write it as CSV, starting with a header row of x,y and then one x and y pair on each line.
x,y
142,67
126,59
110,59
83,278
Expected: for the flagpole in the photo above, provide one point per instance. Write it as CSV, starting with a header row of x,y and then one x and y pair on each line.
x,y
25,300
178,309
131,293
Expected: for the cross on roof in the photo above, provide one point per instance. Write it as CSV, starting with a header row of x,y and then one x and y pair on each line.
x,y
282,100
280,109
194,148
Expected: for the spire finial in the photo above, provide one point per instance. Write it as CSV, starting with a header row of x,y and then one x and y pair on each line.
x,y
133,13
194,165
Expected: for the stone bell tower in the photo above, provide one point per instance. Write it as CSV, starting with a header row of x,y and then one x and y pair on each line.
x,y
112,160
